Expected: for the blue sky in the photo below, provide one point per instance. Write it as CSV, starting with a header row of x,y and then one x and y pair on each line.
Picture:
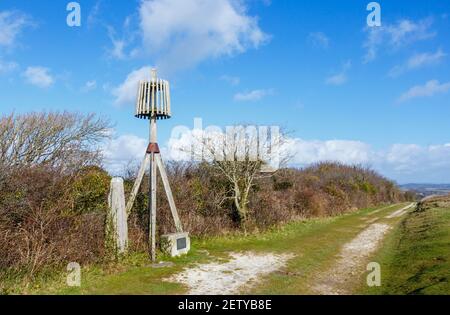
x,y
378,96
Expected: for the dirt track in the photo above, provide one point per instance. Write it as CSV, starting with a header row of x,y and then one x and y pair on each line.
x,y
244,270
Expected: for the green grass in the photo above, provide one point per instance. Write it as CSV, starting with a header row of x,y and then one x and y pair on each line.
x,y
416,256
314,243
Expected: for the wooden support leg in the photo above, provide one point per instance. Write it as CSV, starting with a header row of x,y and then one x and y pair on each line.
x,y
154,159
165,181
137,183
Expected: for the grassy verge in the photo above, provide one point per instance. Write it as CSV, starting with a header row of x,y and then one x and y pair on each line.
x,y
315,244
416,256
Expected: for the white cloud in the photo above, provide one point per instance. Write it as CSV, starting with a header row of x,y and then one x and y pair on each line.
x,y
118,48
195,31
126,92
372,43
337,79
122,151
39,76
123,40
319,39
93,18
403,162
89,86
420,60
406,31
345,151
405,156
7,66
412,162
183,144
118,45
417,61
183,33
430,88
231,79
11,25
181,147
341,77
252,96
396,35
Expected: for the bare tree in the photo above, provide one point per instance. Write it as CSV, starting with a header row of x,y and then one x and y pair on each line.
x,y
65,140
242,155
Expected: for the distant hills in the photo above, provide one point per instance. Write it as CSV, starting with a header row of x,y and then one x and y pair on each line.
x,y
428,189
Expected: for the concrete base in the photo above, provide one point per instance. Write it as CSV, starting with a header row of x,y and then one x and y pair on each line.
x,y
176,244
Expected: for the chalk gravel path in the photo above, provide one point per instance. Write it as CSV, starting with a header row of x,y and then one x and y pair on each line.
x,y
353,257
400,212
244,270
219,278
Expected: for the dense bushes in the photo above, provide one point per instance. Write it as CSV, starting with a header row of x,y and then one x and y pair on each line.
x,y
89,189
50,218
44,222
325,189
53,198
52,205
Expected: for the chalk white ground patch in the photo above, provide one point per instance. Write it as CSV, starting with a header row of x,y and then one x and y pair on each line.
x,y
400,212
350,264
218,278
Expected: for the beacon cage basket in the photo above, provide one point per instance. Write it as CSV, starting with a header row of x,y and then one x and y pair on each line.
x,y
153,100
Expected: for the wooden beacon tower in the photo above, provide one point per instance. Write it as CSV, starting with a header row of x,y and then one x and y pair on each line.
x,y
153,103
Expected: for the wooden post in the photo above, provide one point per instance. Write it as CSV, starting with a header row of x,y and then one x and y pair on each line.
x,y
153,207
152,197
153,102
